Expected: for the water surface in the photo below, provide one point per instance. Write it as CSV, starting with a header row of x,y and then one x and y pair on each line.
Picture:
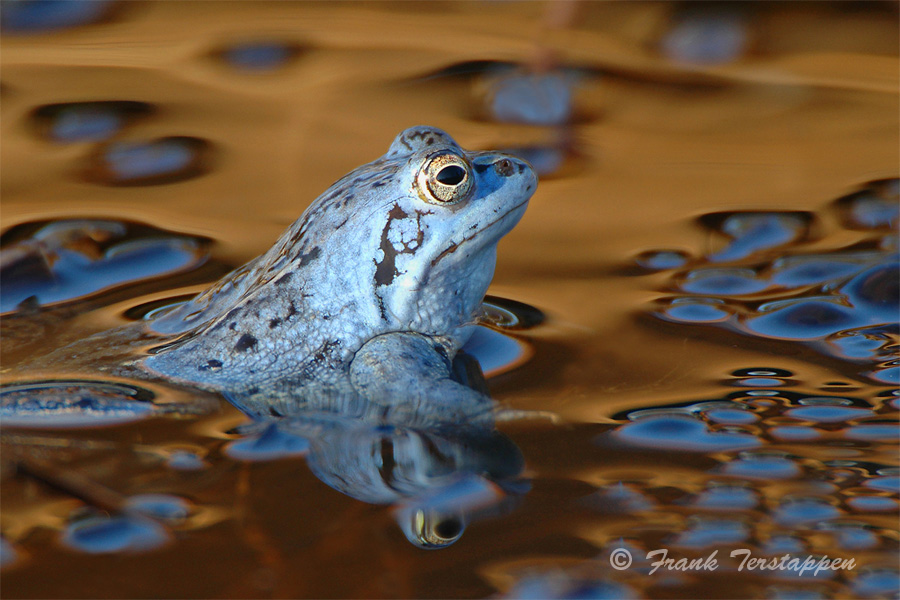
x,y
699,307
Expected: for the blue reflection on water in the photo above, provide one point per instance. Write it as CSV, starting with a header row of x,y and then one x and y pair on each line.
x,y
658,260
159,506
753,232
874,432
845,303
8,554
697,310
130,161
69,404
802,270
727,498
804,511
804,320
725,282
888,484
731,415
85,123
762,467
493,350
708,34
829,414
531,98
712,532
258,56
679,432
60,262
272,443
33,16
104,534
872,503
877,582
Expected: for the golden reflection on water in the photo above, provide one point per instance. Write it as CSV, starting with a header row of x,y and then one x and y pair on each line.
x,y
806,114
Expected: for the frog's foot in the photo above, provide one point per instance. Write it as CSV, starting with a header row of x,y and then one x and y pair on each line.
x,y
410,372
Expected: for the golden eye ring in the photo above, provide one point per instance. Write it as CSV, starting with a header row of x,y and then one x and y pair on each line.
x,y
444,179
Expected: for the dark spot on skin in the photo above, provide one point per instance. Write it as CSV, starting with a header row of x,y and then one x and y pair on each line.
x,y
378,184
211,364
246,342
298,236
291,311
429,141
341,224
405,143
381,307
481,168
521,168
274,412
274,323
326,350
386,270
307,257
253,390
233,325
284,278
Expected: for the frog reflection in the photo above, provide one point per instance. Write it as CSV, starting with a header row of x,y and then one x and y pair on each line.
x,y
437,475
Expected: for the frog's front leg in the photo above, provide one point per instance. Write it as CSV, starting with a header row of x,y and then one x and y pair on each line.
x,y
401,370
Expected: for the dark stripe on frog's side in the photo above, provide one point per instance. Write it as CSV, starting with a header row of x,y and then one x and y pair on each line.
x,y
448,250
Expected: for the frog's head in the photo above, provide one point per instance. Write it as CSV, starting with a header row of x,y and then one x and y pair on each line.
x,y
434,231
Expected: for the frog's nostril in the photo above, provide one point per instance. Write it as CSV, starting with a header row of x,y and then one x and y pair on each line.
x,y
504,167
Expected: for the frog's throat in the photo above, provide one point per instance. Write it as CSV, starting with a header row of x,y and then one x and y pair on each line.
x,y
454,246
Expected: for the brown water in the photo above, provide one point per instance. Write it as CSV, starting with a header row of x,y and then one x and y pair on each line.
x,y
764,342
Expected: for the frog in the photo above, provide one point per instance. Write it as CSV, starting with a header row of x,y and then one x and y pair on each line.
x,y
366,299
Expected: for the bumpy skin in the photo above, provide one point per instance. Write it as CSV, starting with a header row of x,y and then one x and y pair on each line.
x,y
369,294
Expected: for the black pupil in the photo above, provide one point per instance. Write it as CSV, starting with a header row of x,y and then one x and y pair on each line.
x,y
448,528
452,175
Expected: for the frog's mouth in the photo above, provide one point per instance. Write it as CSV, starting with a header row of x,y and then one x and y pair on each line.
x,y
454,246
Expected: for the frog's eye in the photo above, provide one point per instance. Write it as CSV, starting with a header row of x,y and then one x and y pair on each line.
x,y
444,179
